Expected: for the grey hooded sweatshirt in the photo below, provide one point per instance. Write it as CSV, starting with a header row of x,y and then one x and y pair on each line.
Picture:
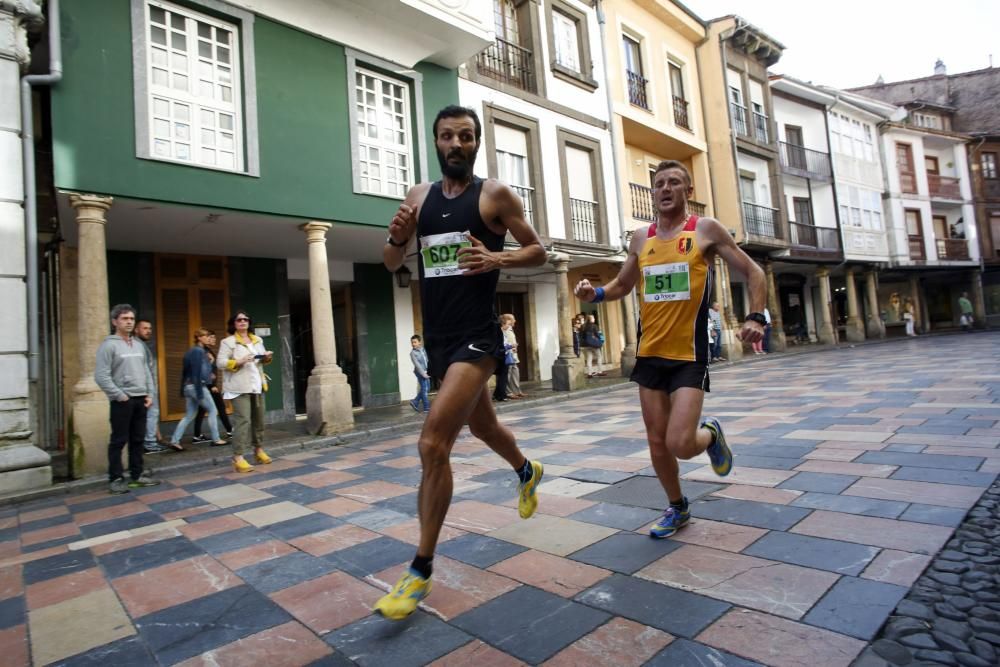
x,y
122,368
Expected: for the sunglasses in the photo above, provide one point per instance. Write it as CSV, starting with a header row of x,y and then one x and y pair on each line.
x,y
242,319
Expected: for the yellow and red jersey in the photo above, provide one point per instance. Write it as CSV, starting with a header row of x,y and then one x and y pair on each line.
x,y
674,293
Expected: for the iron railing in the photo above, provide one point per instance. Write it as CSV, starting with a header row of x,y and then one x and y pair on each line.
x,y
739,114
637,89
917,247
509,63
761,220
952,249
681,113
642,202
943,186
583,215
527,195
811,236
760,128
802,159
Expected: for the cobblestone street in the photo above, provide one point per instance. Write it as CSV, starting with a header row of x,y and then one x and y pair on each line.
x,y
853,469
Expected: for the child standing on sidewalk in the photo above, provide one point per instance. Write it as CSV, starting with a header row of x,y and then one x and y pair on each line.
x,y
418,355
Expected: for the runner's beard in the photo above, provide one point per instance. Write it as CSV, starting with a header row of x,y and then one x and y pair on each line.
x,y
459,172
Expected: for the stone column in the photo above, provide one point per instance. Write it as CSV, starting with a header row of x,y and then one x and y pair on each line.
x,y
732,346
631,339
855,329
919,317
875,327
778,342
567,371
328,395
23,465
977,299
90,428
825,331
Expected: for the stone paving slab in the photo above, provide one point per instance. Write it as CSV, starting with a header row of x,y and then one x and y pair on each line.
x,y
850,479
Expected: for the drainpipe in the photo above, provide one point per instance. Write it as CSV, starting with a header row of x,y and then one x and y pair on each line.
x,y
28,162
601,22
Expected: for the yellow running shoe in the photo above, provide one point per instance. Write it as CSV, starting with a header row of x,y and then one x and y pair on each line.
x,y
262,456
527,501
402,600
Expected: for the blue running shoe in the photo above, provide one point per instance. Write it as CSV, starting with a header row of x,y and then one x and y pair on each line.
x,y
671,521
719,452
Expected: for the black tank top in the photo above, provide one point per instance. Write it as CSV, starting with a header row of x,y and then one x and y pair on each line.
x,y
454,304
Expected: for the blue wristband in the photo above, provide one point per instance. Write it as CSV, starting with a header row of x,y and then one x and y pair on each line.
x,y
598,295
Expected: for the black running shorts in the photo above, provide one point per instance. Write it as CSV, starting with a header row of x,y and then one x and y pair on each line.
x,y
443,351
669,375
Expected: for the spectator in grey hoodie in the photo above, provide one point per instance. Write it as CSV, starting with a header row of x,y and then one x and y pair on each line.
x,y
122,372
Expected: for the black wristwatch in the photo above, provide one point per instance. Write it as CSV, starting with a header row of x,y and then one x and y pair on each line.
x,y
388,239
758,318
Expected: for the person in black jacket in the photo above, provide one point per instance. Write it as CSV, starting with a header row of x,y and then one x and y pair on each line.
x,y
213,388
196,380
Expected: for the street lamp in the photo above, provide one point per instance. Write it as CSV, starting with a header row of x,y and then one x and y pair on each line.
x,y
403,277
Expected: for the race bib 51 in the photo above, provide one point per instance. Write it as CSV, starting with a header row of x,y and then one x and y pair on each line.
x,y
440,253
666,282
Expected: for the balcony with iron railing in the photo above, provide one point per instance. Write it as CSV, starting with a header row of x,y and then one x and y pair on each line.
x,y
637,89
953,249
508,63
826,239
806,162
583,216
762,221
739,115
917,247
643,207
943,187
527,195
760,131
681,113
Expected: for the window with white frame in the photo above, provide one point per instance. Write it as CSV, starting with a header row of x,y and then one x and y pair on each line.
x,y
193,82
566,40
513,167
384,137
860,208
852,137
931,121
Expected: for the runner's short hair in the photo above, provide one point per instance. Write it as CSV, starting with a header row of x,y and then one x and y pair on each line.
x,y
674,164
456,111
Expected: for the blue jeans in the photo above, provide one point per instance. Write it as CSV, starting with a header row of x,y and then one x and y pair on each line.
x,y
424,386
717,345
152,419
192,402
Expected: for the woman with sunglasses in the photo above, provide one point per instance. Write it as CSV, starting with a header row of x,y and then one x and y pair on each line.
x,y
242,357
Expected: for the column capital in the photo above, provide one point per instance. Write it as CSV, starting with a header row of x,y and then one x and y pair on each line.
x,y
822,272
849,270
316,231
560,261
82,202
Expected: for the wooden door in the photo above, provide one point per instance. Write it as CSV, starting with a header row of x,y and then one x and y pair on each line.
x,y
513,303
192,292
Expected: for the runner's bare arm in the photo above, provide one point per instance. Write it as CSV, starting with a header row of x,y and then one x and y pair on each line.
x,y
403,227
503,208
626,279
714,239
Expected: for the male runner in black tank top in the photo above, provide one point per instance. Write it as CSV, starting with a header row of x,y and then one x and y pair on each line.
x,y
460,224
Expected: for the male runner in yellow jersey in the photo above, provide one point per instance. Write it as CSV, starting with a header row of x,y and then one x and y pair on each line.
x,y
671,262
